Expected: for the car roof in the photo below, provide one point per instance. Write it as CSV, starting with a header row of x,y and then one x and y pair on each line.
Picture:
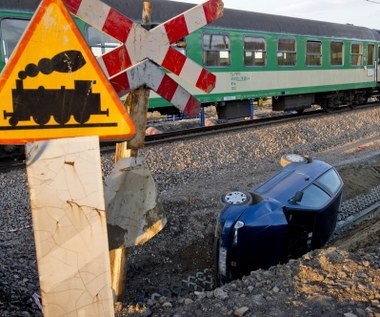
x,y
293,178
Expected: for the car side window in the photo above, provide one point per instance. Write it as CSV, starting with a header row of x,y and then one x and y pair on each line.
x,y
320,192
314,197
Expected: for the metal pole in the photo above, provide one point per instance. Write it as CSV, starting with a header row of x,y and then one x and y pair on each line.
x,y
251,108
203,117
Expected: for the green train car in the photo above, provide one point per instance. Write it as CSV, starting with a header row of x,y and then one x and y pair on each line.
x,y
296,62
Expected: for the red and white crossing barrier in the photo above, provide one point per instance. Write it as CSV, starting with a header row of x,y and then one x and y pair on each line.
x,y
140,44
154,44
148,73
102,17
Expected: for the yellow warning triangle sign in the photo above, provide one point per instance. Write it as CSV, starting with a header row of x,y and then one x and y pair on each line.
x,y
53,87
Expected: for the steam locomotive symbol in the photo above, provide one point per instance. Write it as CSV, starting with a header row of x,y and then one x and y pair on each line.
x,y
42,103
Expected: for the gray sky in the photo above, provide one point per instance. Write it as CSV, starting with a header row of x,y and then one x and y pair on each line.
x,y
357,12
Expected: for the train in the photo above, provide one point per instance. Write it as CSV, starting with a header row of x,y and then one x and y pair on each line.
x,y
295,62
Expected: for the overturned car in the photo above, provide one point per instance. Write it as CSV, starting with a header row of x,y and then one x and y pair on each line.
x,y
291,213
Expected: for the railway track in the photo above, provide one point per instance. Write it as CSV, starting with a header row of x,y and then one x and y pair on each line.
x,y
181,134
17,158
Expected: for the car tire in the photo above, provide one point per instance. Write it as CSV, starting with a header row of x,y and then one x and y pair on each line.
x,y
236,198
286,159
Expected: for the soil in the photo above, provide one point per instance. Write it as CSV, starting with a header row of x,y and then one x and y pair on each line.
x,y
342,279
151,271
360,177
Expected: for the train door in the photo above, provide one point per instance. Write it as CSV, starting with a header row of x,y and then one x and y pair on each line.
x,y
371,62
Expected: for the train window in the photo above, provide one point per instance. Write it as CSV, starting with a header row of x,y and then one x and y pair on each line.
x,y
356,54
371,54
286,52
11,32
255,53
336,53
100,42
313,53
216,50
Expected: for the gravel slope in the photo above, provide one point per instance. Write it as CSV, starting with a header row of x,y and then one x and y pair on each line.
x,y
191,176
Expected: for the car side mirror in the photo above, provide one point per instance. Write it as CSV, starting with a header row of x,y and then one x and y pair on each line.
x,y
297,198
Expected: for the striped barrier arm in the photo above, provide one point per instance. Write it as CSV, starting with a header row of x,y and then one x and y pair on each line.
x,y
140,47
154,44
148,73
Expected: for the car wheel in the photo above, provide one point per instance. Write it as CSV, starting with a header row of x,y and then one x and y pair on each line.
x,y
236,198
292,158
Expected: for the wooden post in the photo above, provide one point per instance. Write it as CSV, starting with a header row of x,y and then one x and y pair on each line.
x,y
137,106
118,259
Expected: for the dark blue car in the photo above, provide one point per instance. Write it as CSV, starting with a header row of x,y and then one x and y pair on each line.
x,y
291,213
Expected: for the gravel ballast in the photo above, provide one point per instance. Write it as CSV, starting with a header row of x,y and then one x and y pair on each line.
x,y
191,175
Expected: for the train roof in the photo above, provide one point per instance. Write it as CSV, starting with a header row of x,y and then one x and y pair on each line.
x,y
19,5
163,10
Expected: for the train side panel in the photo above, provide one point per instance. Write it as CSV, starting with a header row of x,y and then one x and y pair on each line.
x,y
314,75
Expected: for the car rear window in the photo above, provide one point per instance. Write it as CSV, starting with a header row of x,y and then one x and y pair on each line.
x,y
330,180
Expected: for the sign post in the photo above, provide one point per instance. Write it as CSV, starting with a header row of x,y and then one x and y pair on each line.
x,y
137,106
53,88
69,223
